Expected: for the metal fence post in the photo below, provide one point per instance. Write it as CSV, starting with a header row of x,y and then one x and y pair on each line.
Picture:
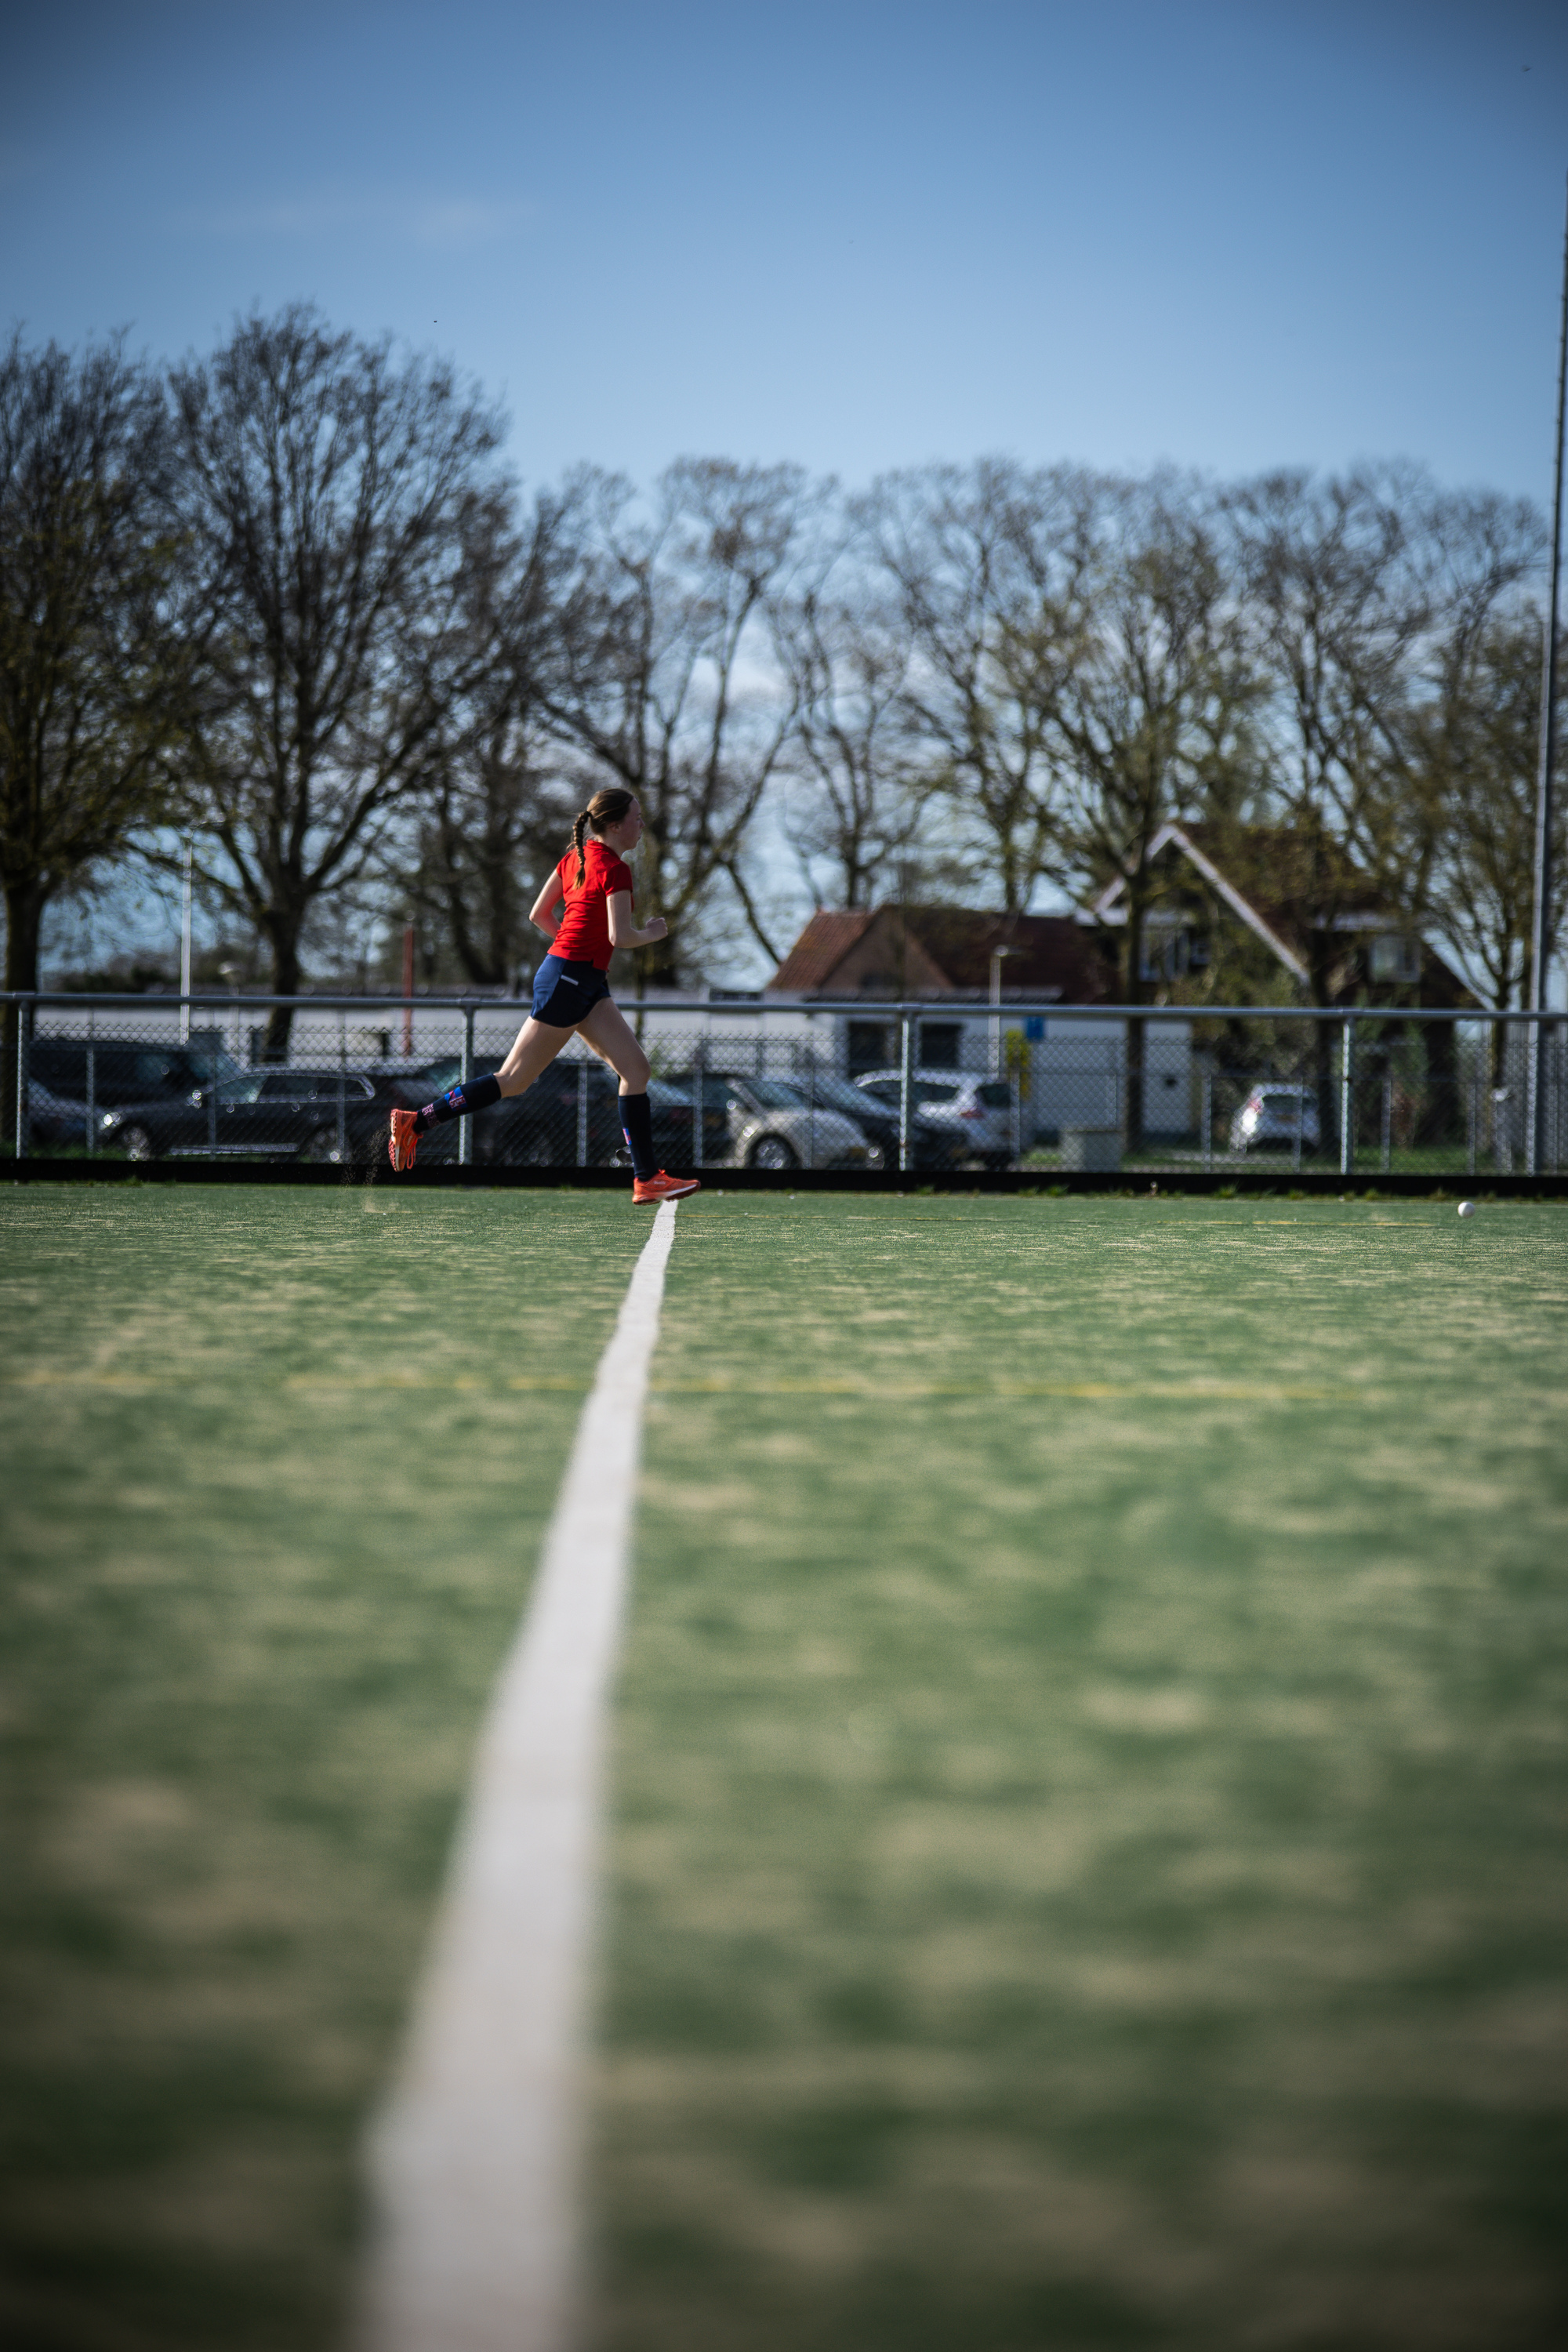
x,y
343,1087
1208,1121
24,1037
582,1112
91,1090
906,1040
1387,1121
696,1103
465,1125
1347,1096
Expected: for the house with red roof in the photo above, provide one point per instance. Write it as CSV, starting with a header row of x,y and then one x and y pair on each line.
x,y
988,980
1240,907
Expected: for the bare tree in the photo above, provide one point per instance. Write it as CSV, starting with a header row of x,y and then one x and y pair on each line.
x,y
1457,829
852,809
327,490
988,565
1376,599
1343,595
1154,713
668,684
92,663
1480,744
496,804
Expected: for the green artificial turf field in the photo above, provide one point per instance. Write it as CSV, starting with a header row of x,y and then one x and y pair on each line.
x,y
1090,1783
255,1593
1089,1864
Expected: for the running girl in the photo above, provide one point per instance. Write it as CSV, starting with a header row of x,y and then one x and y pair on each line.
x,y
584,911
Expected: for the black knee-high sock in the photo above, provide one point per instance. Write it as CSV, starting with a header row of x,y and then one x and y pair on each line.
x,y
474,1093
637,1119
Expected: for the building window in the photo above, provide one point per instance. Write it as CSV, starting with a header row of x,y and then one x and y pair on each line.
x,y
872,1047
1393,957
941,1045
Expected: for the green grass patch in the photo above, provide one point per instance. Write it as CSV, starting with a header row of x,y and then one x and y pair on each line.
x,y
272,1507
1090,1778
1088,1860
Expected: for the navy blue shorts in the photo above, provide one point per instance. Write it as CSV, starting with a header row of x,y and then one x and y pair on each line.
x,y
565,994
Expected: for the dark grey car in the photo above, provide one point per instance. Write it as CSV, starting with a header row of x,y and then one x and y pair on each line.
x,y
270,1114
932,1143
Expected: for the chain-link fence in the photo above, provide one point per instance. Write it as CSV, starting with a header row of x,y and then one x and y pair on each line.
x,y
930,1088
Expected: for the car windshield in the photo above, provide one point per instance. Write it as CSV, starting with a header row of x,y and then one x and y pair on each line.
x,y
775,1093
676,1087
836,1094
242,1089
995,1094
306,1085
928,1090
120,1073
207,1062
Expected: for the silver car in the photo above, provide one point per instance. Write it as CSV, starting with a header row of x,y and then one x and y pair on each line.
x,y
775,1125
1272,1117
978,1112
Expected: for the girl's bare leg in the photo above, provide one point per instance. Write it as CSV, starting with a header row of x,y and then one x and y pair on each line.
x,y
607,1031
535,1048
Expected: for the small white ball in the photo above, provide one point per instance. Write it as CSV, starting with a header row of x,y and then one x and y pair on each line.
x,y
1466,1208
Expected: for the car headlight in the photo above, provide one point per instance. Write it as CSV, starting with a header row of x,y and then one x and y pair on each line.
x,y
110,1118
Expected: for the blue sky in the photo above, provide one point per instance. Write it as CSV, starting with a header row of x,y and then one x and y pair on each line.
x,y
857,235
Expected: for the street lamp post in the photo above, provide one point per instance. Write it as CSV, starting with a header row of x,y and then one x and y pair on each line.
x,y
231,973
185,952
997,956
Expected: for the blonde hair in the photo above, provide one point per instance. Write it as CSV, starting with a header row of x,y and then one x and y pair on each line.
x,y
608,806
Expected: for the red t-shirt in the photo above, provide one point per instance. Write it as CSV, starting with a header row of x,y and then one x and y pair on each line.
x,y
584,933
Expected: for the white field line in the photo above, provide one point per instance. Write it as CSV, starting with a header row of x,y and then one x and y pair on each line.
x,y
476,2162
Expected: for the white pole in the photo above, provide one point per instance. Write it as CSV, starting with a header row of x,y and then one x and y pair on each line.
x,y
1541,940
185,953
997,956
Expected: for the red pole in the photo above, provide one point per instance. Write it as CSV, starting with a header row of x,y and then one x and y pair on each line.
x,y
409,990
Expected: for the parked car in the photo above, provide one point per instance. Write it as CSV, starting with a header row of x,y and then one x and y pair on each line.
x,y
933,1144
270,1114
1272,1115
977,1112
773,1124
124,1073
674,1136
572,1103
51,1121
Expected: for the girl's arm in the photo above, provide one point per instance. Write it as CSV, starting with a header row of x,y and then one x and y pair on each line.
x,y
544,913
624,933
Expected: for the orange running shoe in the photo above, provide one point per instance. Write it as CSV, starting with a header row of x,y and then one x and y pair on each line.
x,y
663,1188
404,1142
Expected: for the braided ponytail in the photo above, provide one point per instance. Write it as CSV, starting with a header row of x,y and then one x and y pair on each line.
x,y
608,806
